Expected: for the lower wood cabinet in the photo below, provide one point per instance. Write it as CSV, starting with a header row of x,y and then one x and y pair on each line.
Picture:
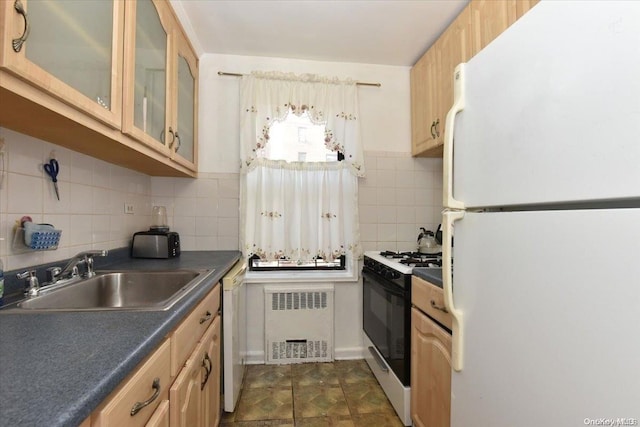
x,y
134,402
165,392
160,417
430,372
430,356
211,388
195,395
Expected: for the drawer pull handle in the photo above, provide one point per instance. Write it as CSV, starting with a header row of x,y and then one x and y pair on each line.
x,y
437,307
206,369
206,317
17,43
139,405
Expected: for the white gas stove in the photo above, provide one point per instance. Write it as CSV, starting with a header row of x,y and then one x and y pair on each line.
x,y
404,262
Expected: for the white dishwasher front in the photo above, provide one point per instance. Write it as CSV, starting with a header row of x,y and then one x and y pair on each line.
x,y
234,332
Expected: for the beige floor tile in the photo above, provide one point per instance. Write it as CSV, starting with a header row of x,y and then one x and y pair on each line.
x,y
259,376
366,398
263,423
306,374
265,404
377,420
354,371
319,401
343,421
339,394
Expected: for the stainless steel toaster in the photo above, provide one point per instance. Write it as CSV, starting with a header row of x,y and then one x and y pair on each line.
x,y
155,244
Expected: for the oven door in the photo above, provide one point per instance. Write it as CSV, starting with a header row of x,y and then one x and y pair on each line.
x,y
386,320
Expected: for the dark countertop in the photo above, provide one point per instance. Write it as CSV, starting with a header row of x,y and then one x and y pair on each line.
x,y
56,367
431,275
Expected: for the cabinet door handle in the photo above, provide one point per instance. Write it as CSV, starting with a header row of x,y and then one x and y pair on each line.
x,y
139,405
435,127
179,142
438,307
206,317
173,137
206,369
433,134
17,43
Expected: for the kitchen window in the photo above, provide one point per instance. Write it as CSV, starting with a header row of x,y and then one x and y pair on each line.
x,y
301,159
296,138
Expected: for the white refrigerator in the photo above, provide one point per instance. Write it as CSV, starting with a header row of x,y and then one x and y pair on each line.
x,y
542,196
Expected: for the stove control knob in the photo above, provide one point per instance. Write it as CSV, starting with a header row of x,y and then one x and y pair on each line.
x,y
389,274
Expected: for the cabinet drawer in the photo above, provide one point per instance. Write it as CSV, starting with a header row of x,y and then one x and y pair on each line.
x,y
430,299
138,388
186,336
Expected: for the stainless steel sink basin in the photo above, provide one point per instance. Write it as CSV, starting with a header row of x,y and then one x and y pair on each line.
x,y
122,290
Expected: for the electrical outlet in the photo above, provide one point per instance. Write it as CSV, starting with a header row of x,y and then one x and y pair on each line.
x,y
128,208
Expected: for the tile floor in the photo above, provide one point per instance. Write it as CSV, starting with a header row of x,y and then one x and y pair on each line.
x,y
341,394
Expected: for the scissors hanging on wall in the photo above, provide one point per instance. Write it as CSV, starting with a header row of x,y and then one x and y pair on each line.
x,y
52,168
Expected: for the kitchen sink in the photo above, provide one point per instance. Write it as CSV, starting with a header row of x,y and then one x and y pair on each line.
x,y
119,290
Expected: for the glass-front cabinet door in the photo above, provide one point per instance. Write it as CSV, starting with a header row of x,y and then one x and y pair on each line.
x,y
184,150
147,101
70,49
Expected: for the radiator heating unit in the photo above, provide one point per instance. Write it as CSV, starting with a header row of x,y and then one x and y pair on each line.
x,y
298,323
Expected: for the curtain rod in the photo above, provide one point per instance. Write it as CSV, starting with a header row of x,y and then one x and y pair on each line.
x,y
222,73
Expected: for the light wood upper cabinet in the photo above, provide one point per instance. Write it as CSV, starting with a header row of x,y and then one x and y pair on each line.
x,y
455,47
489,18
147,68
523,6
432,86
424,102
186,96
101,78
161,82
432,76
71,51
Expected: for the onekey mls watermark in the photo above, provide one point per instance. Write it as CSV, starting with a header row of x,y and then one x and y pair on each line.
x,y
611,422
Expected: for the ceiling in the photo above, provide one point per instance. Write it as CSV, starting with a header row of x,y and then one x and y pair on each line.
x,y
390,32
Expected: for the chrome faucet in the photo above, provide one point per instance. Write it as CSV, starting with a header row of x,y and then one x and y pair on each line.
x,y
71,269
31,285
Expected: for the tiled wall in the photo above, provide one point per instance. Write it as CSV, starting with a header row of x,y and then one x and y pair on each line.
x,y
90,211
204,211
93,193
399,194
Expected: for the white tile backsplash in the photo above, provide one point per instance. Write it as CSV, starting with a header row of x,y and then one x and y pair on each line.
x,y
408,196
399,194
91,205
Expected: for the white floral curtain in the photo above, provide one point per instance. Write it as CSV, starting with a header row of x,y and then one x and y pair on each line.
x,y
299,210
269,97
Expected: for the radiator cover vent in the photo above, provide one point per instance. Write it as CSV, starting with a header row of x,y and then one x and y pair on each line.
x,y
299,323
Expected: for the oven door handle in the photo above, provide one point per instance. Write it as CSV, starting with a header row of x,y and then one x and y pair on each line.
x,y
394,290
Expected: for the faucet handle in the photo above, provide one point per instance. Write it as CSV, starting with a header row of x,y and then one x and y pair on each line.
x,y
31,285
29,274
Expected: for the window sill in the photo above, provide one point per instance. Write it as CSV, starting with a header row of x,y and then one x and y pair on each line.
x,y
289,276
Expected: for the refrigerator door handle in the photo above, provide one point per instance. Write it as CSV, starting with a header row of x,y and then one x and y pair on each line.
x,y
458,105
457,330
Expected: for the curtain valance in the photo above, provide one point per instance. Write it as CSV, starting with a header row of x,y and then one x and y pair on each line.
x,y
268,97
